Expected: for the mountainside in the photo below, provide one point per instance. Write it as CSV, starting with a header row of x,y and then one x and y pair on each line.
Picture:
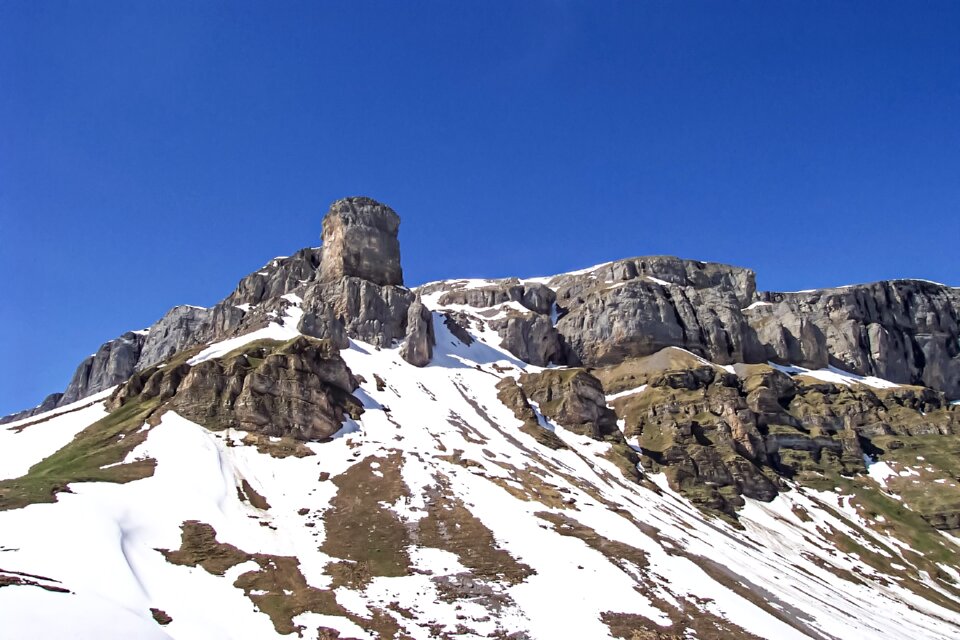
x,y
645,449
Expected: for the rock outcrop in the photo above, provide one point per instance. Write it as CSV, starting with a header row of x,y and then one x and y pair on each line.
x,y
356,308
350,287
49,403
522,314
278,277
572,398
360,240
418,346
720,435
180,328
636,307
300,389
907,331
113,363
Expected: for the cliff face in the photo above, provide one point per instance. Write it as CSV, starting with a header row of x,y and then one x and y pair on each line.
x,y
907,331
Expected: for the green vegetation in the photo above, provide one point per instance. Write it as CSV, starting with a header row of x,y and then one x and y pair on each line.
x,y
105,443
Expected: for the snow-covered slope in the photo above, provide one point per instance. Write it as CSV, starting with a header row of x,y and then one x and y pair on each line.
x,y
434,515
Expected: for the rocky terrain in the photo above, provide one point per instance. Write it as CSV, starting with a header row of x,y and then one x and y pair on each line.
x,y
648,448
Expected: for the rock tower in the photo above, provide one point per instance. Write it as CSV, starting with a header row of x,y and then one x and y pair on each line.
x,y
360,240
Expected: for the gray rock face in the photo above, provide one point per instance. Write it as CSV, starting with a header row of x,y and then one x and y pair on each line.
x,y
356,308
606,321
179,328
532,338
113,363
537,297
906,331
668,269
418,346
280,276
50,402
360,241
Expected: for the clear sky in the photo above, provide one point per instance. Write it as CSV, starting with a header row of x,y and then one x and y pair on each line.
x,y
153,153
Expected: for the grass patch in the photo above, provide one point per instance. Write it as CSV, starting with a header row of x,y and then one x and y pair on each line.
x,y
282,447
104,443
277,586
368,537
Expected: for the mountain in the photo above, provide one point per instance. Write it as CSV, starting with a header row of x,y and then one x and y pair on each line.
x,y
644,449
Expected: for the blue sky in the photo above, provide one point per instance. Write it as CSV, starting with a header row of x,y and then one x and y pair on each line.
x,y
153,153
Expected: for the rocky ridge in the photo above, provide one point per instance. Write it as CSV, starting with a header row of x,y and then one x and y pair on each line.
x,y
720,434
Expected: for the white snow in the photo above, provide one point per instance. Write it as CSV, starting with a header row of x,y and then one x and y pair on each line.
x,y
836,376
286,329
880,472
26,442
578,272
627,392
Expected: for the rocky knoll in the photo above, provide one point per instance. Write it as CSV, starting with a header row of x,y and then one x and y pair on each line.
x,y
574,399
299,389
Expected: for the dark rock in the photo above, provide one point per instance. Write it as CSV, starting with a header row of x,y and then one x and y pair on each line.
x,y
113,363
418,346
511,395
355,308
52,401
457,330
532,338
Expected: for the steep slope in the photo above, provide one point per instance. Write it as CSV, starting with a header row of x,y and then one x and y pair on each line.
x,y
329,454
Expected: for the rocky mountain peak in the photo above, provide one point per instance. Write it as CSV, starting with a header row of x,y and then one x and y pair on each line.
x,y
360,240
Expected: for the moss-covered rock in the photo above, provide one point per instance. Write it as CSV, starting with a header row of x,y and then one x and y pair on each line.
x,y
299,389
